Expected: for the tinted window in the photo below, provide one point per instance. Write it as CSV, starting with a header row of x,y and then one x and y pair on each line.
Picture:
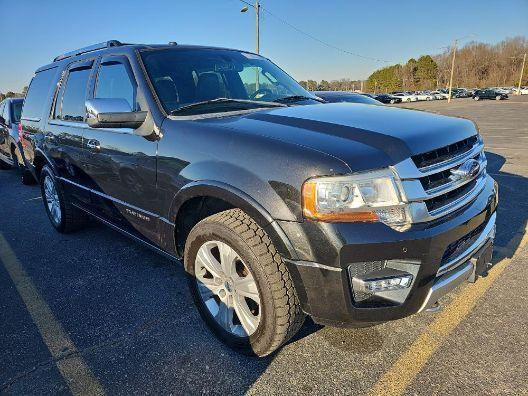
x,y
73,107
186,76
17,111
38,93
113,81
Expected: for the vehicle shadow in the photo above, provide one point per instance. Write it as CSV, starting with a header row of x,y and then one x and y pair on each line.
x,y
512,212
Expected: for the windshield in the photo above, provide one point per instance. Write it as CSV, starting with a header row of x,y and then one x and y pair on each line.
x,y
17,110
183,77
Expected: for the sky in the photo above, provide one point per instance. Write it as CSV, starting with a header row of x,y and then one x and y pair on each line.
x,y
33,32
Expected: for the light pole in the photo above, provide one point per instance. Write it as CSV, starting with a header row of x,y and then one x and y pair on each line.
x,y
520,78
453,65
452,71
256,7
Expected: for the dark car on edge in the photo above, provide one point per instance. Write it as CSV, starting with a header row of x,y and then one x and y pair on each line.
x,y
10,111
344,97
352,214
489,94
387,98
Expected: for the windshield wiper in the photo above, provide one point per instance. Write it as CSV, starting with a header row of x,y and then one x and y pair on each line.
x,y
222,101
295,98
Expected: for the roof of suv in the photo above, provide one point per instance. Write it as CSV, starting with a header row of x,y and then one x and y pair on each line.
x,y
111,45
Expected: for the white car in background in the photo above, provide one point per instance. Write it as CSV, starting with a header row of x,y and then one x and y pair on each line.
x,y
439,95
423,96
406,97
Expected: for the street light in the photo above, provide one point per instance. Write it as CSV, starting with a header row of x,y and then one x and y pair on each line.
x,y
256,6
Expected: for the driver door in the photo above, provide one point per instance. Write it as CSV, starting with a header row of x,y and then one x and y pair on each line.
x,y
120,164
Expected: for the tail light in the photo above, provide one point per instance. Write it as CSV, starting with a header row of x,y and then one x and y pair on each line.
x,y
21,135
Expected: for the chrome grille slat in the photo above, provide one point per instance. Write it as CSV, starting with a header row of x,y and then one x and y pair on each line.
x,y
408,170
447,195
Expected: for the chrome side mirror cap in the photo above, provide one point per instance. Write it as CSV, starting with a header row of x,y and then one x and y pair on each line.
x,y
113,113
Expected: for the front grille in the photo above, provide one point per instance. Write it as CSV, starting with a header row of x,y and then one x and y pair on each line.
x,y
445,153
449,197
428,180
439,179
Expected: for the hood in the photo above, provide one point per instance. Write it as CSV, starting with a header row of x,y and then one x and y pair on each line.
x,y
363,136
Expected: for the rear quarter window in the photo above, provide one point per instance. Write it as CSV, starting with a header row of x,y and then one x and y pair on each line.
x,y
38,94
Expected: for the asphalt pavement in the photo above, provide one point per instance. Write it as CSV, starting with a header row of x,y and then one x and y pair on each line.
x,y
93,312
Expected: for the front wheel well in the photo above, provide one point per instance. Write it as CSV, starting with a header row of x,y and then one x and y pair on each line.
x,y
38,164
193,211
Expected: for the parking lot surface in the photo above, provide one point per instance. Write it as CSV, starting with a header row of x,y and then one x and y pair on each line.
x,y
93,312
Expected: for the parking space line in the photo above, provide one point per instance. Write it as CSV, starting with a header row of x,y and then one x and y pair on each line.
x,y
68,360
403,372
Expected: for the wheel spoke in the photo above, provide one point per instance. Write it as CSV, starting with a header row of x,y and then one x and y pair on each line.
x,y
225,316
207,260
227,258
247,287
248,321
207,288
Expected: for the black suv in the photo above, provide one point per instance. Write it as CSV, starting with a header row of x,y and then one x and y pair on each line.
x,y
489,94
279,206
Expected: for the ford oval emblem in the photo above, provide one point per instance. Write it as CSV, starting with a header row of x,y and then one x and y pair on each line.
x,y
468,170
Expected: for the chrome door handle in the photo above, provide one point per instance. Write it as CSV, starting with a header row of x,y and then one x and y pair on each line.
x,y
93,144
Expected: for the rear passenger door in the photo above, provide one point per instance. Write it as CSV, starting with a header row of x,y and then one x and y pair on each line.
x,y
121,165
63,135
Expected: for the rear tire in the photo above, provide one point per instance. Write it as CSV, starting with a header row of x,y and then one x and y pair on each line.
x,y
477,98
278,315
498,97
62,214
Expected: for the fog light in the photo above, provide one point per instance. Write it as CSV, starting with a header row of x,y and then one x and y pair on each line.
x,y
380,281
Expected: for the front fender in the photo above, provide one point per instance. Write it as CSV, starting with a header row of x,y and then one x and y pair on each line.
x,y
239,199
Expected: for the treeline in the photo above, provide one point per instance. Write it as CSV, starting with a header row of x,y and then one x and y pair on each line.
x,y
10,94
345,84
477,65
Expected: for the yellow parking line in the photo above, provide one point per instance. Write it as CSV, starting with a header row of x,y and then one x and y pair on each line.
x,y
396,380
70,363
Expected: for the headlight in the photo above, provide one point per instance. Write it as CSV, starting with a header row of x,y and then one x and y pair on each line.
x,y
370,196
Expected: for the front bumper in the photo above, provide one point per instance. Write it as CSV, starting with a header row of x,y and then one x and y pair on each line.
x,y
326,251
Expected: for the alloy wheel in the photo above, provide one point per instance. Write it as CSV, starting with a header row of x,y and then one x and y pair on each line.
x,y
227,288
52,200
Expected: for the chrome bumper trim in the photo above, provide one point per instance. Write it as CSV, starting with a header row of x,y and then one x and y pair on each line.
x,y
459,270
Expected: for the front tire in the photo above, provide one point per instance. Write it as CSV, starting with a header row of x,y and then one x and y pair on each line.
x,y
498,97
62,214
240,284
477,98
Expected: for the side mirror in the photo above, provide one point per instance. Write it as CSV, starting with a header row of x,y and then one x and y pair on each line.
x,y
113,113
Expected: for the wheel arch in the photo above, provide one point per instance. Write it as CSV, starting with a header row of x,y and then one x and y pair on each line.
x,y
203,198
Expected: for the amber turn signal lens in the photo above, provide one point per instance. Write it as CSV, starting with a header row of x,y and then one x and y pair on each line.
x,y
309,197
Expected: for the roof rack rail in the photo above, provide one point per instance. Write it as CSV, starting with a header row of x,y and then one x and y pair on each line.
x,y
90,48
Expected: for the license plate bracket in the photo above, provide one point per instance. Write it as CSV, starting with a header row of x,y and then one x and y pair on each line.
x,y
481,262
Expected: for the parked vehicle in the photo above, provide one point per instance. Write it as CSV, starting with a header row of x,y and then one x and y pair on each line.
x,y
423,96
387,98
439,95
342,96
489,94
10,110
277,209
405,97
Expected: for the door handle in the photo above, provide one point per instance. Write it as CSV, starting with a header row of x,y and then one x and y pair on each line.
x,y
93,144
